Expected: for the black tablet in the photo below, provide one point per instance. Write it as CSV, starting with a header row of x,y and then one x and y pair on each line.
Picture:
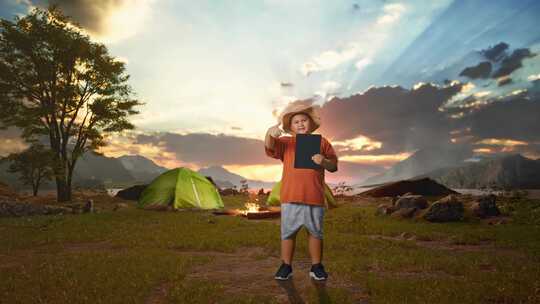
x,y
307,145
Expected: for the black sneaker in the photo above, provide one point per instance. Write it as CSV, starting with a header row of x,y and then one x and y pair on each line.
x,y
284,272
317,272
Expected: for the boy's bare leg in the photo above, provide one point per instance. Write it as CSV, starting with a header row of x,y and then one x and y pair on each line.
x,y
287,250
315,249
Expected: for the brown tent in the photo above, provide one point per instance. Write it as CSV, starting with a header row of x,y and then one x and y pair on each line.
x,y
423,186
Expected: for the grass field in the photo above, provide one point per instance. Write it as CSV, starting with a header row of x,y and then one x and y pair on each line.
x,y
137,256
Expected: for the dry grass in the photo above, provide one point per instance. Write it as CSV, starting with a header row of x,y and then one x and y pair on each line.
x,y
138,256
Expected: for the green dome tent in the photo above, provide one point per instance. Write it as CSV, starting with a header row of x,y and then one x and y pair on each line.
x,y
180,188
273,198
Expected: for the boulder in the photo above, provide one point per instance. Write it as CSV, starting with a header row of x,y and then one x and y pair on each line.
x,y
385,209
88,207
17,209
447,209
412,201
407,212
120,206
485,206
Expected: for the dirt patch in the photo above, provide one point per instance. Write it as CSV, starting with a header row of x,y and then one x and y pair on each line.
x,y
159,294
7,261
92,246
251,271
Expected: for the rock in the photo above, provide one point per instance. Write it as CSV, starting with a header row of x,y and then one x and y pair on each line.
x,y
498,221
132,193
406,235
404,212
88,207
485,206
385,209
447,209
120,206
17,209
412,201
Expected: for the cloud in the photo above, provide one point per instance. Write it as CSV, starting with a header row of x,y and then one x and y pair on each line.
x,y
11,141
329,90
512,62
533,77
482,70
498,55
496,52
400,119
514,117
504,81
330,59
362,63
204,149
267,173
105,19
356,144
392,13
330,86
286,84
384,160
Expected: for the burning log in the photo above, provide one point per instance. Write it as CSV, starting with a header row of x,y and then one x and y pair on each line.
x,y
226,212
252,210
263,215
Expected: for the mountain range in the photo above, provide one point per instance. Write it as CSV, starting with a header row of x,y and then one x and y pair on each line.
x,y
93,170
452,166
461,171
508,172
423,161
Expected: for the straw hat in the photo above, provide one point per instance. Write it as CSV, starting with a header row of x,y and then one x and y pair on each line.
x,y
304,107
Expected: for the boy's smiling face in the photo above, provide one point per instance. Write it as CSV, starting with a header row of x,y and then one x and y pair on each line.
x,y
301,124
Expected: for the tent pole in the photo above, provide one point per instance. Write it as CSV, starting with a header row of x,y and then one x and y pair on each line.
x,y
196,193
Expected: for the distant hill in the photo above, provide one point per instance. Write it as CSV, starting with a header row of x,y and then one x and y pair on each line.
x,y
511,171
92,169
106,169
227,179
141,168
422,161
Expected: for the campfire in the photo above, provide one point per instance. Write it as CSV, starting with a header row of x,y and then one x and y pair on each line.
x,y
250,208
253,210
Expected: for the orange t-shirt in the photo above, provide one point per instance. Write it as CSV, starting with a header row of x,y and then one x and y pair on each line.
x,y
300,185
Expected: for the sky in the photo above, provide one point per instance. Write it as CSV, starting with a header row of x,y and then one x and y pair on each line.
x,y
391,77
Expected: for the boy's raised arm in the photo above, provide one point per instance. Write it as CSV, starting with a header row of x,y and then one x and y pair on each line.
x,y
271,135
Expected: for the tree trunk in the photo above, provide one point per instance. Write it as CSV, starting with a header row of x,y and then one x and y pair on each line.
x,y
62,193
36,184
63,184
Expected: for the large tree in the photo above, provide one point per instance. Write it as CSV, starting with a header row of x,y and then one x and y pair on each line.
x,y
58,84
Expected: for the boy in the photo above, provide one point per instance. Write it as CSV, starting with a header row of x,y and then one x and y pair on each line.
x,y
302,190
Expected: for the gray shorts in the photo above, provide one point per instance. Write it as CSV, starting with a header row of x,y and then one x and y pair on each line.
x,y
294,216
